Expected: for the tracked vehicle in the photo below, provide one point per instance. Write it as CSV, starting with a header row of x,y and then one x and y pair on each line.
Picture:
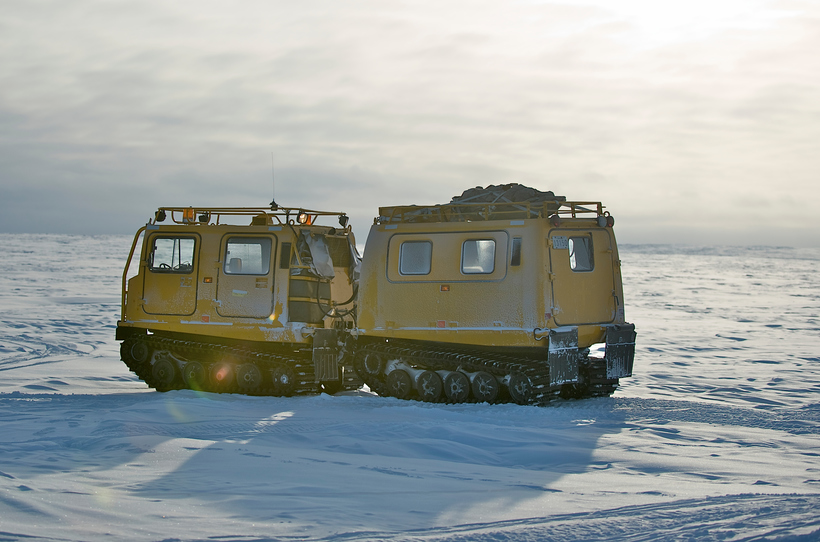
x,y
499,295
249,300
503,294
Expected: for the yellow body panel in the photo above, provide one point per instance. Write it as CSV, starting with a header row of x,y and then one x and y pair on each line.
x,y
583,297
209,298
506,307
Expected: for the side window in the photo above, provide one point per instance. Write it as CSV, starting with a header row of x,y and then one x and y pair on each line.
x,y
515,252
172,255
248,256
478,256
284,257
415,257
580,254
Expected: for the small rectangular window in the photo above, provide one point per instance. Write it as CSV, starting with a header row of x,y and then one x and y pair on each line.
x,y
478,256
415,257
515,252
248,256
580,254
172,255
339,249
284,256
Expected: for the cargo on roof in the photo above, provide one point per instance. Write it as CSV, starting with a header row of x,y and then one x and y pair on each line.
x,y
495,202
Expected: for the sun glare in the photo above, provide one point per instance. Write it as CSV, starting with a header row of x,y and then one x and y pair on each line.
x,y
658,23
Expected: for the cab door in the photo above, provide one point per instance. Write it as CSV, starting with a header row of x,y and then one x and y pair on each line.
x,y
170,281
245,279
582,276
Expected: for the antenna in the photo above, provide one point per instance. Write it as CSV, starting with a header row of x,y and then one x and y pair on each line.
x,y
273,205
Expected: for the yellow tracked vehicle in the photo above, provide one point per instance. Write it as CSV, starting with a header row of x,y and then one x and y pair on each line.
x,y
259,307
498,295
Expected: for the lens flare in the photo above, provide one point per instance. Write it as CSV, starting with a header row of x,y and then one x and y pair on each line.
x,y
176,413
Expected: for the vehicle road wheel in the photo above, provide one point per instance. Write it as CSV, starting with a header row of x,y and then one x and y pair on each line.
x,y
373,364
283,381
520,388
222,376
249,377
193,374
399,384
140,352
456,387
429,386
164,374
485,387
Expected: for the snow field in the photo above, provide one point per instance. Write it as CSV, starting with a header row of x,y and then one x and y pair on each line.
x,y
714,438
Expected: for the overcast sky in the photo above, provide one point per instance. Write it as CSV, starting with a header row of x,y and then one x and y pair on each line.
x,y
693,122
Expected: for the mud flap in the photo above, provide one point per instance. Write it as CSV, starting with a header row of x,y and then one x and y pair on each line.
x,y
563,356
620,350
325,355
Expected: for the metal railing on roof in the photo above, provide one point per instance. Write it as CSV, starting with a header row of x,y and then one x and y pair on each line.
x,y
213,215
475,211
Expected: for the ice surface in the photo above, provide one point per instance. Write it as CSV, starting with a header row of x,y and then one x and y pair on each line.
x,y
714,438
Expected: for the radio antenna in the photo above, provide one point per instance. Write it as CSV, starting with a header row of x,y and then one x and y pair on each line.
x,y
273,205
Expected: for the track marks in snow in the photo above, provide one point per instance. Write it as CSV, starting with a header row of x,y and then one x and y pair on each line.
x,y
731,517
21,351
803,420
391,472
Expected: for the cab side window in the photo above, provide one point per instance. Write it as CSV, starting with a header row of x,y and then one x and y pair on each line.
x,y
172,255
247,256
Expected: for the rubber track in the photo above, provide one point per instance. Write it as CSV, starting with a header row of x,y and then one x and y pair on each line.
x,y
597,385
301,367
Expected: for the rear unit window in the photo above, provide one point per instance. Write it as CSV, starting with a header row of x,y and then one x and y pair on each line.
x,y
478,256
172,255
248,256
339,249
580,253
415,257
515,252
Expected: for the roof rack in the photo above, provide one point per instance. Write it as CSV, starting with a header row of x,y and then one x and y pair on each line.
x,y
470,212
260,215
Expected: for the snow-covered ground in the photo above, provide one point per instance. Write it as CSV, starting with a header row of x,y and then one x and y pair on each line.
x,y
717,436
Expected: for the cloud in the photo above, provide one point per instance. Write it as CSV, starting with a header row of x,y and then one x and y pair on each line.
x,y
130,105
